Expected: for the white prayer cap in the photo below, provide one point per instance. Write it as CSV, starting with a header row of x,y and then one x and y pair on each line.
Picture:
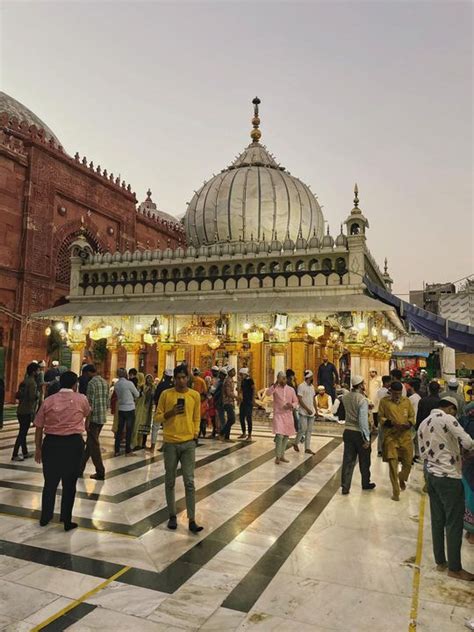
x,y
214,368
451,400
244,370
321,388
372,370
223,370
308,373
356,380
169,372
452,382
55,363
281,374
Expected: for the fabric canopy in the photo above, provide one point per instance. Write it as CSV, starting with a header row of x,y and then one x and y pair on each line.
x,y
455,335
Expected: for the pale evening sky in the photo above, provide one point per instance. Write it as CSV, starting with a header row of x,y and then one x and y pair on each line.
x,y
374,92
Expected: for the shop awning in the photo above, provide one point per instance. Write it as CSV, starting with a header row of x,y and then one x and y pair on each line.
x,y
455,335
204,304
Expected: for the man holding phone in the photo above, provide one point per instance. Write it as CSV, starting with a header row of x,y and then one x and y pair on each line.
x,y
179,410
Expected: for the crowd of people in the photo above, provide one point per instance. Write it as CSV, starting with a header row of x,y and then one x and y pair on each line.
x,y
413,422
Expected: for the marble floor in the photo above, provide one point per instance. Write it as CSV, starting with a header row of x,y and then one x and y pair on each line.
x,y
281,548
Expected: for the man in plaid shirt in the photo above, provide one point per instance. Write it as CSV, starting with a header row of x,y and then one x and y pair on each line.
x,y
98,396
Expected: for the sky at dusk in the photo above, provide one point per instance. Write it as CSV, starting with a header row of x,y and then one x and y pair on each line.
x,y
374,92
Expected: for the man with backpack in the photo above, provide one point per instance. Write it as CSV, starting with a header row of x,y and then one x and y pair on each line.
x,y
27,396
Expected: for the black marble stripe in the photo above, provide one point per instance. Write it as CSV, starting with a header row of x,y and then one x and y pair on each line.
x,y
69,618
158,517
58,559
179,571
133,491
248,590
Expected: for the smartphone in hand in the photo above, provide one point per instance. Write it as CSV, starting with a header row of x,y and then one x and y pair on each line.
x,y
180,403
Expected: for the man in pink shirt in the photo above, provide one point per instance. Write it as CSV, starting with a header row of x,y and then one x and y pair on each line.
x,y
62,418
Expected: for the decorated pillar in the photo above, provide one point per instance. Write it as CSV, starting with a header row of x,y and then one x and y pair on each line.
x,y
297,352
113,349
132,349
355,351
365,363
77,350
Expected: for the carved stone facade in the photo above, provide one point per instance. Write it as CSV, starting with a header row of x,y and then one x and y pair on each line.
x,y
45,198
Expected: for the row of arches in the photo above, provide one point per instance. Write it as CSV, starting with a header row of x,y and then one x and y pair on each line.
x,y
215,271
222,283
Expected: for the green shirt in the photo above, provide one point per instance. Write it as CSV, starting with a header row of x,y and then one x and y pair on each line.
x,y
98,396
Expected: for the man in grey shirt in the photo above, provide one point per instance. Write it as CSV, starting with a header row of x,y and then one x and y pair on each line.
x,y
126,393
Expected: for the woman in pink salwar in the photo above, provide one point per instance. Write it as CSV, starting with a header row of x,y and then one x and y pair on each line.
x,y
284,402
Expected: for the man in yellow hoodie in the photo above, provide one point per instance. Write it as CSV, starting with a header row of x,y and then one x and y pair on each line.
x,y
179,411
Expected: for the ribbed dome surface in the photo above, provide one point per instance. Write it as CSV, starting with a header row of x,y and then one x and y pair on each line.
x,y
17,110
253,196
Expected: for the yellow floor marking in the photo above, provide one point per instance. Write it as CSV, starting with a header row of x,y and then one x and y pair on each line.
x,y
417,574
76,602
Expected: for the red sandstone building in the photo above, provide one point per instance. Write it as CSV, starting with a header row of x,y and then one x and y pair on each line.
x,y
46,196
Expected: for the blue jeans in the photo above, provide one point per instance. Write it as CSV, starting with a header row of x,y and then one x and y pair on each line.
x,y
230,412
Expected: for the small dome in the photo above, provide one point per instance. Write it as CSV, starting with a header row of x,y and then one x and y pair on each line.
x,y
168,253
157,254
275,245
147,255
107,257
341,239
137,255
328,241
239,248
117,258
127,256
191,251
313,243
251,246
288,244
149,207
15,109
301,243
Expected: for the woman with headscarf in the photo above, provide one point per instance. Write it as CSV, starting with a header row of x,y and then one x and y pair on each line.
x,y
143,410
467,422
285,402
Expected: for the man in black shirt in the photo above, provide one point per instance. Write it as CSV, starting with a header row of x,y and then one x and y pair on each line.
x,y
87,373
426,404
247,401
328,377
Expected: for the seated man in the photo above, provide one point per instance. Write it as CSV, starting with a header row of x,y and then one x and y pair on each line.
x,y
324,404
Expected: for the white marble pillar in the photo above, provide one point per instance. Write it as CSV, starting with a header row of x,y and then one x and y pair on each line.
x,y
232,361
170,361
279,364
448,363
76,360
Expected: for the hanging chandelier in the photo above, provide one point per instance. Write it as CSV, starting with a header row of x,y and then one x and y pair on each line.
x,y
198,333
255,335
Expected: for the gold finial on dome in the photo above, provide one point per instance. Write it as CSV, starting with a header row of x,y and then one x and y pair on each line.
x,y
256,134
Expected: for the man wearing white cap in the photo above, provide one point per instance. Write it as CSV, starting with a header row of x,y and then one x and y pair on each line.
x,y
452,391
375,383
307,411
440,436
246,390
356,436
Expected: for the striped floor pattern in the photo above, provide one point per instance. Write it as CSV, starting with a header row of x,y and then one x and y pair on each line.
x,y
281,547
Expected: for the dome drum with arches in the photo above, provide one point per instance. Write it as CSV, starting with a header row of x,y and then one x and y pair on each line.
x,y
255,197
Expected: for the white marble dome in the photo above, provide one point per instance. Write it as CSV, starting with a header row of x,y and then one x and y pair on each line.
x,y
254,197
